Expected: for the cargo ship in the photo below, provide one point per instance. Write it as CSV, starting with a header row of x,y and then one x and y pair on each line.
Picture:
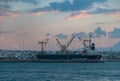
x,y
70,58
88,54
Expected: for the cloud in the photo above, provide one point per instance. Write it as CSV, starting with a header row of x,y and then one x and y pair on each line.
x,y
107,11
6,32
80,34
9,32
79,15
76,5
2,38
91,34
17,5
115,33
13,8
9,13
2,18
87,14
38,13
99,32
67,6
63,6
12,14
25,1
115,14
99,23
4,7
4,14
47,34
15,34
61,36
100,10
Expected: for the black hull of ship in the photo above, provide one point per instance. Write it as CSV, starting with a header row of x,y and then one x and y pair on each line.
x,y
51,58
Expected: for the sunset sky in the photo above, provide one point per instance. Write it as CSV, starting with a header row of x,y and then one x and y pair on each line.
x,y
35,20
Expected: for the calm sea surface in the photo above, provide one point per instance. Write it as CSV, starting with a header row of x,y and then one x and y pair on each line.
x,y
109,71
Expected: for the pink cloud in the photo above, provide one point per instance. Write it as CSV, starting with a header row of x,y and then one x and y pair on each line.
x,y
54,11
38,13
114,14
9,32
80,15
2,18
12,14
2,38
4,14
41,12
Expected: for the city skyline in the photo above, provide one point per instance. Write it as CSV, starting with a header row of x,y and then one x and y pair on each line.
x,y
36,20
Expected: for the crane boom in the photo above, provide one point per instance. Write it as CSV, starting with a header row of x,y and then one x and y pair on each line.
x,y
70,42
58,43
86,42
90,39
45,43
63,47
81,40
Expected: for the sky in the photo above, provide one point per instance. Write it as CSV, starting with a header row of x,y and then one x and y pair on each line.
x,y
31,21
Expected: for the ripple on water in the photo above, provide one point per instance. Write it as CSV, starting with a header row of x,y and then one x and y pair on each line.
x,y
109,71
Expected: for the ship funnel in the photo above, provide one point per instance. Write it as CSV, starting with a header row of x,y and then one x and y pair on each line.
x,y
93,46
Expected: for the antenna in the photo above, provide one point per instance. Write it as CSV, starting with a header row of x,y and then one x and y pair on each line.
x,y
23,45
90,39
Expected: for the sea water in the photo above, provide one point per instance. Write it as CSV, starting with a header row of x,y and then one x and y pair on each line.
x,y
108,71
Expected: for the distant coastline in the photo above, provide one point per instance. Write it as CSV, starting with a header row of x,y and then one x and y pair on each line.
x,y
30,56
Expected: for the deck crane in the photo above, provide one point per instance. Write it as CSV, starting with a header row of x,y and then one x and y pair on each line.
x,y
87,43
64,47
43,45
